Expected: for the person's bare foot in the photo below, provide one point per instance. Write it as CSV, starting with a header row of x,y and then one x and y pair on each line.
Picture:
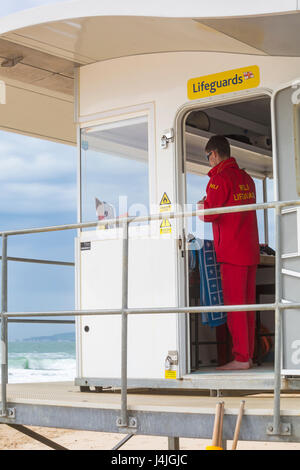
x,y
235,365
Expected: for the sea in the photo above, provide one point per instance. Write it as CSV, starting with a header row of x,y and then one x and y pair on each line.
x,y
47,359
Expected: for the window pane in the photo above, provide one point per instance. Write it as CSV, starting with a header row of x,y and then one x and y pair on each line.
x,y
115,168
260,213
196,190
297,144
271,214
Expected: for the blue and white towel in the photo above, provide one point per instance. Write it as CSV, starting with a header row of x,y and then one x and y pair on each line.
x,y
211,292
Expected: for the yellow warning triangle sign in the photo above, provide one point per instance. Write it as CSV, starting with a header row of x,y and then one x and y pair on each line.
x,y
165,227
165,223
165,200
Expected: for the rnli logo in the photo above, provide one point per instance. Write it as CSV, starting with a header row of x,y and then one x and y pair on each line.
x,y
244,194
248,75
224,82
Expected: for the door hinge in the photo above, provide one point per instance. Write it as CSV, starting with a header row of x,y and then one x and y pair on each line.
x,y
166,138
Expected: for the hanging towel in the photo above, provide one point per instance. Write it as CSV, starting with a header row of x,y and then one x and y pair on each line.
x,y
202,253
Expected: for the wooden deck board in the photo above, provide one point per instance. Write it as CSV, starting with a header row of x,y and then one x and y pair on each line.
x,y
68,395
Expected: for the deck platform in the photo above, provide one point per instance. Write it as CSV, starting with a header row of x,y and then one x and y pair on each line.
x,y
207,378
161,413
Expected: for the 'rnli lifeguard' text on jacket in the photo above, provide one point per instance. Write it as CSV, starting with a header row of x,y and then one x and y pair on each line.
x,y
236,234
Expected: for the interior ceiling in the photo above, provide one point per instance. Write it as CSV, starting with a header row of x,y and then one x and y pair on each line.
x,y
255,110
134,135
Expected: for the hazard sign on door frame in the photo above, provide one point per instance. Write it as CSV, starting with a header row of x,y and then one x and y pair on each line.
x,y
165,204
165,227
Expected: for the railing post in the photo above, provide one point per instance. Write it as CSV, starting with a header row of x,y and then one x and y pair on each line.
x,y
276,428
124,414
4,351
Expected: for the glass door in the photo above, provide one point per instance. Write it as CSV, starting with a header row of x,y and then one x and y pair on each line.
x,y
115,169
286,128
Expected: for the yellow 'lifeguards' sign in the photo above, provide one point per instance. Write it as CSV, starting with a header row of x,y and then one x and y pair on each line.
x,y
224,82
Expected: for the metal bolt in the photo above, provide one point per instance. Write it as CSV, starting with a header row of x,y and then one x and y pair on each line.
x,y
133,422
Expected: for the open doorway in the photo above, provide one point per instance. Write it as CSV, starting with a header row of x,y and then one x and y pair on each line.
x,y
247,125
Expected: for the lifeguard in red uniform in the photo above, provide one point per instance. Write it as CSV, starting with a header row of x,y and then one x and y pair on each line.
x,y
236,244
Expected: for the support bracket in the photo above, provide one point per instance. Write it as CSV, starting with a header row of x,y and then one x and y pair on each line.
x,y
131,427
285,430
38,437
10,413
123,441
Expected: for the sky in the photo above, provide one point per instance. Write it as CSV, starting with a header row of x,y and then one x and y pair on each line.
x,y
38,188
17,5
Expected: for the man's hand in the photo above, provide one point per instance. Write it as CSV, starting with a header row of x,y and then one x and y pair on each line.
x,y
200,207
202,201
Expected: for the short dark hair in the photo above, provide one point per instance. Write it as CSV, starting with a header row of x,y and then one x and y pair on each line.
x,y
220,144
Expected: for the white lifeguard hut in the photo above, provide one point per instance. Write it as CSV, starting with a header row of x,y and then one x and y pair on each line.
x,y
140,87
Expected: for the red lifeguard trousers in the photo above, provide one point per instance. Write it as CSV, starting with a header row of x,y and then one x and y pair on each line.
x,y
239,286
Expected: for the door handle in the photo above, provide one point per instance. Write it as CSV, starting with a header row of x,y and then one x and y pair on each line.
x,y
180,243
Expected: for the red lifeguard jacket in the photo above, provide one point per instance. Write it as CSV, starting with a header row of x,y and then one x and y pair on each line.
x,y
235,235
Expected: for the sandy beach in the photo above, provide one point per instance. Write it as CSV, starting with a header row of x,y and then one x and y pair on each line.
x,y
10,439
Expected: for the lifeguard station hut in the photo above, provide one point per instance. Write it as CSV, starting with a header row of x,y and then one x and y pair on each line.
x,y
140,87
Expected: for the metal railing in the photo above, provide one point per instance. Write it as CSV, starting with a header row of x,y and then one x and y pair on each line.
x,y
278,305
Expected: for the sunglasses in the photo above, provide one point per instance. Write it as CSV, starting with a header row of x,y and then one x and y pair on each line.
x,y
209,154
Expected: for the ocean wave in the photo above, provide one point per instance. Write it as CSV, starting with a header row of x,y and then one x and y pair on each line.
x,y
40,362
32,362
34,376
